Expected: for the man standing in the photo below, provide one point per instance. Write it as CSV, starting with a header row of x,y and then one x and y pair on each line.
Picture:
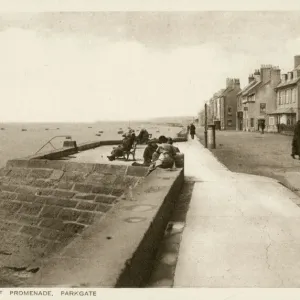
x,y
263,127
192,130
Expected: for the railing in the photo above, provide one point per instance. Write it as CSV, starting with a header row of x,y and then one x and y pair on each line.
x,y
68,137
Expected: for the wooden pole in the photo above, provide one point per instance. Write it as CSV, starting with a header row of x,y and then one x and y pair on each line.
x,y
205,124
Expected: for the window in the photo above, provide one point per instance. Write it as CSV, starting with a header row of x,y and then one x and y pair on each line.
x,y
282,97
229,111
271,121
245,108
262,108
286,96
278,98
252,122
294,95
229,122
289,96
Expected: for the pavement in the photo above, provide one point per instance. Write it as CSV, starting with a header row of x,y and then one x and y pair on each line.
x,y
241,230
99,155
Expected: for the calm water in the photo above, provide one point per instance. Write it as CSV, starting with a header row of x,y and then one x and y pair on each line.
x,y
15,143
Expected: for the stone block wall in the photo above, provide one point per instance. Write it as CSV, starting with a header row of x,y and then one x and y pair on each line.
x,y
45,204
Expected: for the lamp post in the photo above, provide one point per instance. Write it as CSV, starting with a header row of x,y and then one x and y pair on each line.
x,y
205,124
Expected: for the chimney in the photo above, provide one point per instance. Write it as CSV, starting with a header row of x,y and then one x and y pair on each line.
x,y
296,61
229,82
236,83
275,75
256,75
265,71
250,78
290,75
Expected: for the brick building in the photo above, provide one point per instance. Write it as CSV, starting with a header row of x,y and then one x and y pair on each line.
x,y
258,99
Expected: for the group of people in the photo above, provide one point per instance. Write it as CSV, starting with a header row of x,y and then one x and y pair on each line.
x,y
159,154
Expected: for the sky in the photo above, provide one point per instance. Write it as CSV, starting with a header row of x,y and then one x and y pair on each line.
x,y
81,67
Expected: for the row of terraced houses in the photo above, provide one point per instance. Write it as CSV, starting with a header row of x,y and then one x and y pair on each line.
x,y
269,97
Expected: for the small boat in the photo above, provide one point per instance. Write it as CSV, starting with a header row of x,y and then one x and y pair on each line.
x,y
46,128
120,132
2,128
101,131
57,128
98,134
90,127
157,130
24,129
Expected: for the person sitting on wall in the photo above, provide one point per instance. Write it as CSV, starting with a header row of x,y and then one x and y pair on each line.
x,y
126,145
148,153
164,156
143,136
170,141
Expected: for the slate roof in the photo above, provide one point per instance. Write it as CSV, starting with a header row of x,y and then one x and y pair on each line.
x,y
287,83
248,87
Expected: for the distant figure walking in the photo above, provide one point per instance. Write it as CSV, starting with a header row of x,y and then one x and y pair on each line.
x,y
262,126
192,130
296,141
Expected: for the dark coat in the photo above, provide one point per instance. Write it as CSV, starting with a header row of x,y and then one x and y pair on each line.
x,y
296,140
192,129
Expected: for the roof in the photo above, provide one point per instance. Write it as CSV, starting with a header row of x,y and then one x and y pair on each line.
x,y
251,88
283,110
219,93
287,83
247,87
226,91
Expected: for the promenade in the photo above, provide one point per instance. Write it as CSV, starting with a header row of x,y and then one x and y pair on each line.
x,y
241,230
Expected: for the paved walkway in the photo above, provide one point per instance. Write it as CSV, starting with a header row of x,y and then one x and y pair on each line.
x,y
241,230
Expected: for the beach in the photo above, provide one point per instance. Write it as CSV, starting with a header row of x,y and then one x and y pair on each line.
x,y
19,140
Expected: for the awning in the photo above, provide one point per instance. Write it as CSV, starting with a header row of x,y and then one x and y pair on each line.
x,y
283,110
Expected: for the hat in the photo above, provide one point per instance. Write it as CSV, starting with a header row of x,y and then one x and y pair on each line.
x,y
170,140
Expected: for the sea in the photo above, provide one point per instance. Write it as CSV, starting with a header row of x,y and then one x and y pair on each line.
x,y
18,140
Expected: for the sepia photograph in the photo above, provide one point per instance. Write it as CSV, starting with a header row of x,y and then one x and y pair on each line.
x,y
149,149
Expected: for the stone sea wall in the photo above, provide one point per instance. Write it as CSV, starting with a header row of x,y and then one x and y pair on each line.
x,y
46,204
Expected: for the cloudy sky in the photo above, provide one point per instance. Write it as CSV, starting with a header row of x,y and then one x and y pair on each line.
x,y
132,65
